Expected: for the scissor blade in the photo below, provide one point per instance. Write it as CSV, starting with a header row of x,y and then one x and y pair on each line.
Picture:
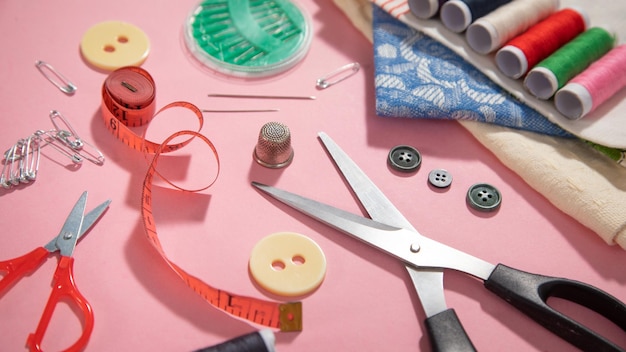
x,y
373,199
89,219
406,245
363,228
427,282
68,236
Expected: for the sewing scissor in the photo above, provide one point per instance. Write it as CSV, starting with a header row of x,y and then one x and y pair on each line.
x,y
425,260
63,286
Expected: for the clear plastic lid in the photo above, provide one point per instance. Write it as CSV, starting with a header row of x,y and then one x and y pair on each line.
x,y
248,38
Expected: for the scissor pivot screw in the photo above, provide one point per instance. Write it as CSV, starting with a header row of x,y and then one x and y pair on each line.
x,y
67,235
415,247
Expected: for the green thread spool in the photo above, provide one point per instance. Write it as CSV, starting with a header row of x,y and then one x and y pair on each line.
x,y
574,57
248,38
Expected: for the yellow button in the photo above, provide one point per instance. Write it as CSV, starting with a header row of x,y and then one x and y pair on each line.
x,y
288,264
114,44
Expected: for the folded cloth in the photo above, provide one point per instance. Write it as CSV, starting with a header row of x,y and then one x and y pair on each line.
x,y
577,179
573,176
419,77
604,126
416,76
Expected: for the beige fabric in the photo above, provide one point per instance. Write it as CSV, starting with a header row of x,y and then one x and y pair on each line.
x,y
574,177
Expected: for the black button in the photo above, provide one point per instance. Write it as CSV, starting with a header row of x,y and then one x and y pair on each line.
x,y
484,197
405,158
440,178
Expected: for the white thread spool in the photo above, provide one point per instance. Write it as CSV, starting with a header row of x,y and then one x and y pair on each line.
x,y
425,9
456,15
490,32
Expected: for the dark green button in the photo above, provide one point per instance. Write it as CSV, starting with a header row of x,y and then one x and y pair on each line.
x,y
484,197
405,158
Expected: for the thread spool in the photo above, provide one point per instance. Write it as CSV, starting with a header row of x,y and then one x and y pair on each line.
x,y
490,32
523,52
557,69
457,15
590,89
259,341
425,9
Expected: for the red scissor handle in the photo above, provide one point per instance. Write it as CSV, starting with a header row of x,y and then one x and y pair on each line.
x,y
63,287
19,267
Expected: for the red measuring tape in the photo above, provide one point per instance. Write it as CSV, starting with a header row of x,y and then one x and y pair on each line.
x,y
128,100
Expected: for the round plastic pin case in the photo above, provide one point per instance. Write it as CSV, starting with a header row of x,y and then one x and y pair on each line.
x,y
287,264
248,38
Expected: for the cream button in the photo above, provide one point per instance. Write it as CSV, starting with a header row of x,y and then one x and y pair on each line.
x,y
114,44
287,264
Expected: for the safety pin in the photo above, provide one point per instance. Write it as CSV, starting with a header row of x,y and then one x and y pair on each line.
x,y
29,163
21,163
323,83
69,137
74,143
64,85
50,138
7,178
10,154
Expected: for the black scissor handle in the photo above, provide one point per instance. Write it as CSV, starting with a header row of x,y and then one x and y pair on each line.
x,y
529,293
447,334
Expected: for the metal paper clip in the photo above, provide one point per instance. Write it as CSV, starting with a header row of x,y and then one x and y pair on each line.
x,y
342,73
52,75
69,137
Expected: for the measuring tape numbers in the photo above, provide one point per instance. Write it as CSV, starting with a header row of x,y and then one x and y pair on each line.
x,y
128,100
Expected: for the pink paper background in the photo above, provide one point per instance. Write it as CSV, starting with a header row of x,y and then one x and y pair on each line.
x,y
366,302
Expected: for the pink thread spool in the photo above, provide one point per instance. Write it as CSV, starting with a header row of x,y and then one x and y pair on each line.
x,y
591,88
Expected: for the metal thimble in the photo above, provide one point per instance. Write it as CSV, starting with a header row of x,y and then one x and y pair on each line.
x,y
274,149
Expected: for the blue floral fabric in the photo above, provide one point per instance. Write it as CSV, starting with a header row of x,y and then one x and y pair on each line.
x,y
418,77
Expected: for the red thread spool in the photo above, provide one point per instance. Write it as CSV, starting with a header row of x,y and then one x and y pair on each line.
x,y
526,50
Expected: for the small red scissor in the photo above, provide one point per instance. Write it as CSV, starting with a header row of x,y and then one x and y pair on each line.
x,y
63,286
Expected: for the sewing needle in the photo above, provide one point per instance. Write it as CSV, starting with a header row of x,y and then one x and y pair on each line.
x,y
310,97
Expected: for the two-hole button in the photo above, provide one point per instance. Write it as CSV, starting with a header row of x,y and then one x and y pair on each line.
x,y
287,264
